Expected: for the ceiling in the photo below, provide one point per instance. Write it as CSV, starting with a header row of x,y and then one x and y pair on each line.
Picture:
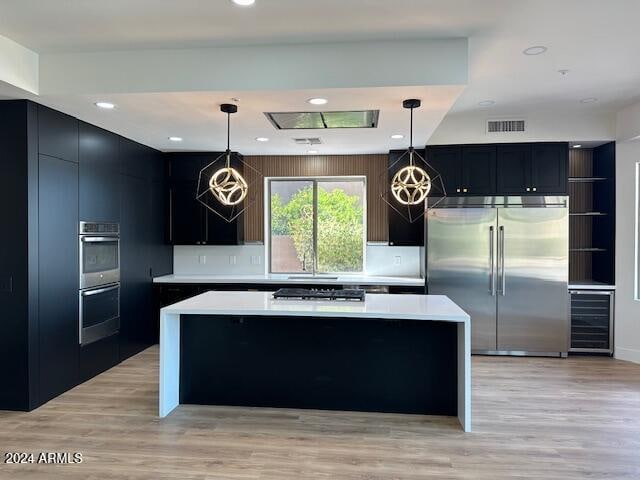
x,y
595,40
196,117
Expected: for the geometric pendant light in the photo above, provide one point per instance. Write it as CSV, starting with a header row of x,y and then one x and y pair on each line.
x,y
411,184
224,185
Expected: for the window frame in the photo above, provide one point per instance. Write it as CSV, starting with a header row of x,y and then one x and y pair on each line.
x,y
636,289
314,180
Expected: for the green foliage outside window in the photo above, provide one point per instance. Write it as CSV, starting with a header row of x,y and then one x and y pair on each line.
x,y
340,227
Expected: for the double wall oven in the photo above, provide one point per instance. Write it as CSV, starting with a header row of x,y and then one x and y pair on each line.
x,y
99,296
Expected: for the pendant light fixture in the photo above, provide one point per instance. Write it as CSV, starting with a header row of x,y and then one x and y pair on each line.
x,y
227,184
411,184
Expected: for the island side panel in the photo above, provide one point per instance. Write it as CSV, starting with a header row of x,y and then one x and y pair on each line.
x,y
403,366
169,391
464,375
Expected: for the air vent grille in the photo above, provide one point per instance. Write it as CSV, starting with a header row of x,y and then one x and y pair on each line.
x,y
505,126
307,141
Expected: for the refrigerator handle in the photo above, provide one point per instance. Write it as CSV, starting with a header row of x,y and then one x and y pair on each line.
x,y
503,279
492,283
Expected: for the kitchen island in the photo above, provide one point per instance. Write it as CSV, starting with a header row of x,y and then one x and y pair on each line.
x,y
390,353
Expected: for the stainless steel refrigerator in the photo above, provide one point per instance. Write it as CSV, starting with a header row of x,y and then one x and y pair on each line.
x,y
504,260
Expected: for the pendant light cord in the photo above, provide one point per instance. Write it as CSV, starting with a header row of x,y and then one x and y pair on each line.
x,y
411,139
228,139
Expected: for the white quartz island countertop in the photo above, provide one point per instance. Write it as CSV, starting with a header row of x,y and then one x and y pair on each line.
x,y
291,279
427,308
383,306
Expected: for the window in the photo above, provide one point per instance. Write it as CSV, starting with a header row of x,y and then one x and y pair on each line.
x,y
317,225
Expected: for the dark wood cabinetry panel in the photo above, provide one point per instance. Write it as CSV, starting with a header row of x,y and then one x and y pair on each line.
x,y
447,161
98,356
99,174
135,292
401,231
58,275
57,134
513,164
191,223
478,170
549,168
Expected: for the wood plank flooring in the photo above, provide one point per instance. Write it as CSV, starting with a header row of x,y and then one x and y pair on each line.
x,y
534,418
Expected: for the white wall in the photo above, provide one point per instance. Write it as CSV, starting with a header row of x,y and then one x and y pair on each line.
x,y
542,126
627,333
18,66
381,260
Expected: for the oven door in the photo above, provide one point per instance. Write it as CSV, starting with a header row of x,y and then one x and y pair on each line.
x,y
99,313
99,261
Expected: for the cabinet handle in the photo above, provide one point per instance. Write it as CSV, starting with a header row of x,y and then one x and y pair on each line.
x,y
464,190
535,189
528,189
457,190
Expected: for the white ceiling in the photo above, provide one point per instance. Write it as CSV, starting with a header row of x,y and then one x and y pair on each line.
x,y
196,117
595,40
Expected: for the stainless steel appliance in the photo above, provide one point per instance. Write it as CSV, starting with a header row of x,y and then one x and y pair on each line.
x,y
99,254
99,295
504,260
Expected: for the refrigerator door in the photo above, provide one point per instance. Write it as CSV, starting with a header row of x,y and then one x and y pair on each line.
x,y
532,280
461,252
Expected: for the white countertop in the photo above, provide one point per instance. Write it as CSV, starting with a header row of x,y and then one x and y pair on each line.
x,y
287,279
382,306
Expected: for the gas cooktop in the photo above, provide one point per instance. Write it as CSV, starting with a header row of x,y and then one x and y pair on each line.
x,y
353,294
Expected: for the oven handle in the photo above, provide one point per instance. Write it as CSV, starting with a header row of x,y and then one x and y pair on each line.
x,y
88,293
99,239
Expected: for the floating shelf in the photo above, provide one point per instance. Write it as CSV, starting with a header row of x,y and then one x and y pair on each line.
x,y
588,214
586,179
587,249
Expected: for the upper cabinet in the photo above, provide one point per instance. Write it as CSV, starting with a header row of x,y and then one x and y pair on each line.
x,y
502,169
465,169
189,222
57,134
99,188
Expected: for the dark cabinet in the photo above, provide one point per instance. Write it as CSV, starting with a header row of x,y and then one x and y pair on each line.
x,y
403,232
57,134
532,168
549,168
58,275
100,167
465,169
191,223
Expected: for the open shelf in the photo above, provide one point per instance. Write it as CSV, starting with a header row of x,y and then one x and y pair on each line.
x,y
588,249
588,214
586,179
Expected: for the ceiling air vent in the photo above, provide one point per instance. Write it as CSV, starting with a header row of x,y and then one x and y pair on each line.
x,y
323,120
307,141
505,126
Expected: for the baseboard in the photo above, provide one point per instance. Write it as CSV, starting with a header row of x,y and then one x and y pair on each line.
x,y
628,354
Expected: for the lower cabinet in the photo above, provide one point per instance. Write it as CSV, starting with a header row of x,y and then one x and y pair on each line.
x,y
98,357
58,276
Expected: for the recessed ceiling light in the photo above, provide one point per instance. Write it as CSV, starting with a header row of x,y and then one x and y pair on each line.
x,y
486,103
106,105
397,136
589,100
312,152
244,3
535,50
262,139
318,101
577,145
175,139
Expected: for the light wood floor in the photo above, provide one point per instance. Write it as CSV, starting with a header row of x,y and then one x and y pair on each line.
x,y
533,418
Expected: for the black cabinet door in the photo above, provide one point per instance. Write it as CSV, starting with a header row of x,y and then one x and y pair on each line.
x,y
161,254
478,172
136,288
402,232
57,134
549,168
513,164
186,215
99,175
447,161
58,275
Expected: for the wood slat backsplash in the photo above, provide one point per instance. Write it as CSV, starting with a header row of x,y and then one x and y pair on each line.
x,y
373,167
581,200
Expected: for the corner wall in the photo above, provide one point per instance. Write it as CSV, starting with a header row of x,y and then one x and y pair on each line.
x,y
627,316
